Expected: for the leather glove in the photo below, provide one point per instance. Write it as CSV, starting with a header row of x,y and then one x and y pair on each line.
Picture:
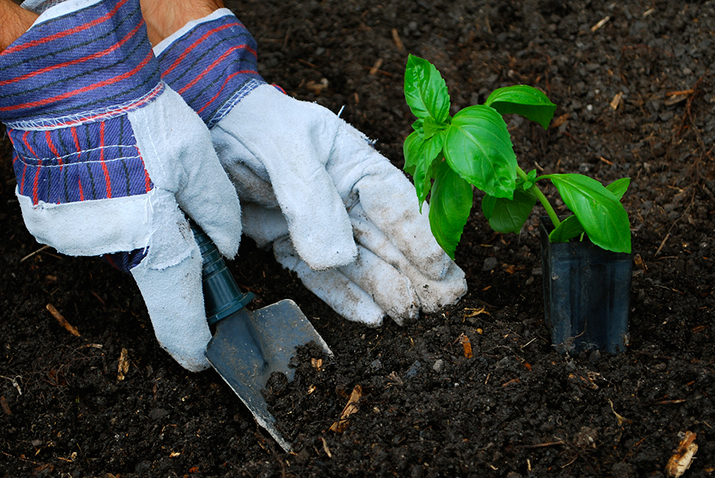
x,y
106,154
336,211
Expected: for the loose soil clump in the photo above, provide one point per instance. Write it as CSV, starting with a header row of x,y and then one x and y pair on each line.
x,y
634,88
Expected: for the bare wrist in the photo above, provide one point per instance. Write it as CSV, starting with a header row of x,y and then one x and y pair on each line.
x,y
15,20
165,17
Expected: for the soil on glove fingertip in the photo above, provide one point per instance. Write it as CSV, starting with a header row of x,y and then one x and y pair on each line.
x,y
635,93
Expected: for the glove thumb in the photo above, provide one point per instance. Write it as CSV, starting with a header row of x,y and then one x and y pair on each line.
x,y
174,298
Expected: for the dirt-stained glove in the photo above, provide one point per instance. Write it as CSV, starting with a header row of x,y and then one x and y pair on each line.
x,y
105,154
337,212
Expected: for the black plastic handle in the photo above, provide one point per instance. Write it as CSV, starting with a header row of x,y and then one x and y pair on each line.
x,y
222,297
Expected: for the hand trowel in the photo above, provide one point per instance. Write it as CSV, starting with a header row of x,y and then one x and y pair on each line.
x,y
248,346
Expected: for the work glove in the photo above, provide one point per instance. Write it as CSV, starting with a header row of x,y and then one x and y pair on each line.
x,y
335,211
106,154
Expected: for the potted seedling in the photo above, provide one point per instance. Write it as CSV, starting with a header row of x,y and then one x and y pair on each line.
x,y
586,259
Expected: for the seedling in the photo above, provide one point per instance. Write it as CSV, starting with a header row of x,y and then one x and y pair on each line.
x,y
473,148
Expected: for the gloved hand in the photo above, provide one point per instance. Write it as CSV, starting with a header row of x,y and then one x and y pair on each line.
x,y
105,154
336,211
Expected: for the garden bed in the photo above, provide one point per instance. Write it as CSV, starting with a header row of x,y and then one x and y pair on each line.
x,y
635,98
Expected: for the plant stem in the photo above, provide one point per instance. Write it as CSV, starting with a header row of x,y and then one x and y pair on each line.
x,y
542,199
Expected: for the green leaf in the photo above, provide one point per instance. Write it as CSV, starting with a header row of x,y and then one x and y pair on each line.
x,y
425,90
432,127
478,147
619,187
508,215
571,227
525,101
567,230
528,183
420,155
411,149
599,211
450,205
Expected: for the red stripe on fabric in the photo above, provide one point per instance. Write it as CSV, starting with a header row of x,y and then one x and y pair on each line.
x,y
76,143
107,180
15,159
48,138
217,62
24,170
147,179
108,258
27,145
79,154
84,119
24,175
35,183
194,45
65,33
93,56
95,86
228,78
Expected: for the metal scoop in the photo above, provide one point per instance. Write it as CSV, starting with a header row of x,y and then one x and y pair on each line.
x,y
248,346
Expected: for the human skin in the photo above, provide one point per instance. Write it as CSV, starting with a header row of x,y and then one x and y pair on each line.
x,y
15,21
163,17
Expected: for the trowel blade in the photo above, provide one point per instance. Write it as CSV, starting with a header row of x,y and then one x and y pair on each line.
x,y
248,347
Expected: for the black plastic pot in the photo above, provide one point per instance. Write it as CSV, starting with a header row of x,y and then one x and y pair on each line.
x,y
586,294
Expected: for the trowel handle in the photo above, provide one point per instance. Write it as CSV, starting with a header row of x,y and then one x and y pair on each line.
x,y
222,297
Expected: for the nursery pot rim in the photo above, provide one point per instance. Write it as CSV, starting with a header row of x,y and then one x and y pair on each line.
x,y
546,226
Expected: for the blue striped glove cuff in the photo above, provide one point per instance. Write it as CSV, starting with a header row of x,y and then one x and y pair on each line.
x,y
81,61
211,63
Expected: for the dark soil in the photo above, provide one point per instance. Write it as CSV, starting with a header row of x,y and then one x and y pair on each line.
x,y
517,407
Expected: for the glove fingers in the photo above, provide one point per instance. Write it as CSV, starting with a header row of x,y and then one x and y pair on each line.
x,y
397,215
263,225
332,287
433,294
181,159
174,299
390,289
436,294
250,186
388,199
318,223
